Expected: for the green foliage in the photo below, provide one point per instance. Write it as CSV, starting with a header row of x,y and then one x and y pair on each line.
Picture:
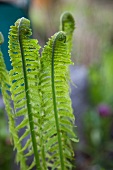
x,y
98,120
5,145
39,88
97,129
24,80
56,101
5,88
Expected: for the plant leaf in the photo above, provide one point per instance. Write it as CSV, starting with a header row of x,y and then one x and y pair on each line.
x,y
5,85
24,81
54,82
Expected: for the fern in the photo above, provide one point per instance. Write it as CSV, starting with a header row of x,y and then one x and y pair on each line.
x,y
4,82
24,80
40,90
67,24
56,101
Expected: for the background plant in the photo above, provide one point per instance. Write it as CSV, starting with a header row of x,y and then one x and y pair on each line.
x,y
98,119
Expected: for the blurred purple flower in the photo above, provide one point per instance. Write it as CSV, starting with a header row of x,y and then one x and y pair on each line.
x,y
104,110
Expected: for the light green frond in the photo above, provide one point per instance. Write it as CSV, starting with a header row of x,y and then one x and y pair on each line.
x,y
24,56
4,81
67,24
54,82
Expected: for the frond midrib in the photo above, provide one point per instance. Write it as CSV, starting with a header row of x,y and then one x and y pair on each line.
x,y
55,106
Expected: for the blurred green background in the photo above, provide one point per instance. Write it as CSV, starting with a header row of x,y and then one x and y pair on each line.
x,y
93,49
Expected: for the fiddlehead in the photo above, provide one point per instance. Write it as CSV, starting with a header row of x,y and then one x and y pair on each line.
x,y
67,24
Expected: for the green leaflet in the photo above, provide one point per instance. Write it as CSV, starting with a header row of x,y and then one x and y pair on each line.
x,y
55,91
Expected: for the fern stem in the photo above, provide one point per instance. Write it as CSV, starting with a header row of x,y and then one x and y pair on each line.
x,y
43,158
55,108
31,124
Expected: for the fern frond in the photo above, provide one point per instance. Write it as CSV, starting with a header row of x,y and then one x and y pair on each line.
x,y
67,24
24,82
59,119
5,85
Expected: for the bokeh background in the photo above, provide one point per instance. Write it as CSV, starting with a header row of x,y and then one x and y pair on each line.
x,y
92,98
